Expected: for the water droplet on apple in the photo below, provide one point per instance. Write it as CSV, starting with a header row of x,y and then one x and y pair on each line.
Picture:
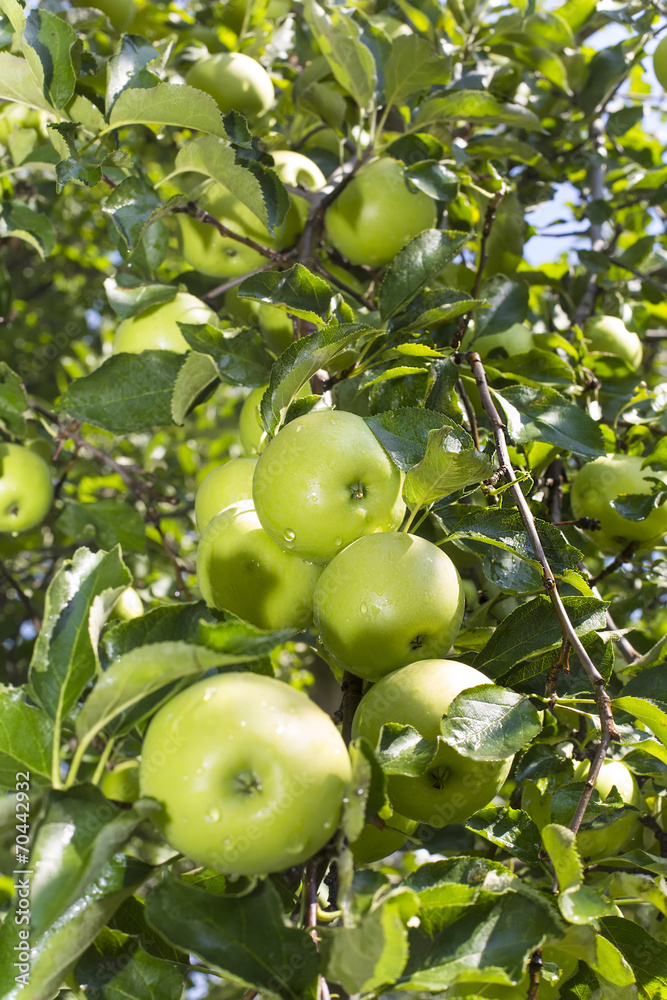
x,y
363,608
338,541
212,816
289,537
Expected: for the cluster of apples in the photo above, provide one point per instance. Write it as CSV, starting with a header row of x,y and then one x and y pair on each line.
x,y
307,533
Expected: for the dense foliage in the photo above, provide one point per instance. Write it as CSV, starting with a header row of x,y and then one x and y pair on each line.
x,y
372,279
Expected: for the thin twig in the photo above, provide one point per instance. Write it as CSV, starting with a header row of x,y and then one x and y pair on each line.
x,y
534,974
27,603
608,728
489,219
622,557
470,413
201,215
182,588
226,286
343,287
352,689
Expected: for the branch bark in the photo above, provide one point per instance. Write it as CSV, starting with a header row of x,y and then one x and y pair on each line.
x,y
608,727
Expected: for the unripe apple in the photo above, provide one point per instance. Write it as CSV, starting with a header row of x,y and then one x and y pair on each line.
x,y
225,485
386,600
242,570
598,483
418,695
128,606
660,63
609,840
251,430
156,328
377,213
517,339
323,481
121,784
373,844
236,81
249,772
621,348
119,12
26,490
217,256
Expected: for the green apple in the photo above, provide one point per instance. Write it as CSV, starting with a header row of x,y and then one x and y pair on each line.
x,y
225,485
323,481
615,350
241,310
251,430
119,12
660,63
377,213
276,328
217,256
610,840
240,569
26,490
156,328
121,784
517,339
128,606
598,483
386,600
373,844
418,695
236,81
249,772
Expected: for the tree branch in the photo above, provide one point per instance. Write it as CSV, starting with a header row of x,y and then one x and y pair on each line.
x,y
489,219
25,600
608,727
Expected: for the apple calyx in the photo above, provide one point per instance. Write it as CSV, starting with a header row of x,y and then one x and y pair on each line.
x,y
439,776
247,783
358,491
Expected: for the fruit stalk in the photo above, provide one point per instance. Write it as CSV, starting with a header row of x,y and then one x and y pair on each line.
x,y
608,727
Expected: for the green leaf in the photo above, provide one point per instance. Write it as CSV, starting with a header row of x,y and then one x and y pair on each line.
x,y
450,463
112,523
508,304
78,833
494,936
140,673
640,859
55,951
584,904
415,265
130,205
13,402
52,39
533,628
127,67
543,414
129,295
18,84
302,292
35,228
240,360
534,368
433,309
490,723
434,179
561,846
369,955
413,67
403,433
511,829
258,187
26,739
646,955
128,392
243,935
475,106
298,364
78,601
117,966
194,384
351,62
446,888
503,528
238,638
402,750
651,714
168,104
637,507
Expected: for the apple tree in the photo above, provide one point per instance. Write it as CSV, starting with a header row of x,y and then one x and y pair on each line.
x,y
332,477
